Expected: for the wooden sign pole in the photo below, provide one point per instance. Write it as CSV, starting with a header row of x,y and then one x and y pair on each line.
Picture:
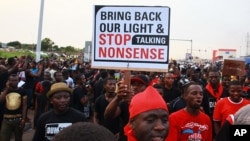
x,y
127,78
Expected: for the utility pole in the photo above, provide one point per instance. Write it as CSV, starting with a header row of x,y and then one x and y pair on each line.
x,y
38,45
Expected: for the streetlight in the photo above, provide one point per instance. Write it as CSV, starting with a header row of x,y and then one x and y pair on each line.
x,y
191,41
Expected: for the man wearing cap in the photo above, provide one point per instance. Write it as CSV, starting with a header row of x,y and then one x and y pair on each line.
x,y
196,76
148,117
52,122
139,83
118,107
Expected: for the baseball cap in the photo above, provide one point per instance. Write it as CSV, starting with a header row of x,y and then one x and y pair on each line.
x,y
141,79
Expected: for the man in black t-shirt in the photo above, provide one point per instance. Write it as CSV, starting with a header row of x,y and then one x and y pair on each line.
x,y
80,99
4,74
170,90
52,122
102,102
15,101
118,107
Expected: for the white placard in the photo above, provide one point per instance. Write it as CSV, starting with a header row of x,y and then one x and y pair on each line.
x,y
131,37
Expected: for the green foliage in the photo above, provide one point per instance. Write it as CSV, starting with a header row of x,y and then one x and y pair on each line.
x,y
29,47
6,54
15,44
68,49
47,44
55,48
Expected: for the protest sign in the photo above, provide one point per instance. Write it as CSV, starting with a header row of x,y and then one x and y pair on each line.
x,y
233,67
131,37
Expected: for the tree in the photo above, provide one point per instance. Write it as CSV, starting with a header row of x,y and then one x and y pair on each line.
x,y
70,49
15,44
55,48
47,44
29,46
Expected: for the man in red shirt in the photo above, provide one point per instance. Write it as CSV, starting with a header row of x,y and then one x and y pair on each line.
x,y
228,105
241,117
190,123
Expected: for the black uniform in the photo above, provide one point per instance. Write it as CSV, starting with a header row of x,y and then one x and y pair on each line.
x,y
50,123
100,105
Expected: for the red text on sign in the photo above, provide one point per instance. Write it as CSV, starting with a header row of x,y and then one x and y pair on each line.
x,y
117,39
131,53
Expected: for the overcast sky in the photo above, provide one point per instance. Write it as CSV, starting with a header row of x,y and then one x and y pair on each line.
x,y
210,24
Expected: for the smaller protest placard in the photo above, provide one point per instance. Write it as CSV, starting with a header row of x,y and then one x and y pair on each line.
x,y
233,67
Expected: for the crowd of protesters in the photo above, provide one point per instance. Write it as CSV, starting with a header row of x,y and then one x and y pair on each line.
x,y
183,103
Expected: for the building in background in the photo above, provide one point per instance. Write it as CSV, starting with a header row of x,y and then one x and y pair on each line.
x,y
222,54
87,51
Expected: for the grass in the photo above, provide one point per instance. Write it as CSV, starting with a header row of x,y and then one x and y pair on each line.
x,y
13,53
